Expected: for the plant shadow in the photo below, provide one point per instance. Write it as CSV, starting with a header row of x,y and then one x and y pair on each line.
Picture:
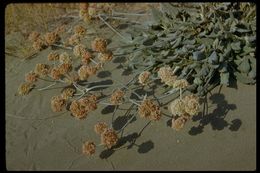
x,y
131,140
104,74
217,118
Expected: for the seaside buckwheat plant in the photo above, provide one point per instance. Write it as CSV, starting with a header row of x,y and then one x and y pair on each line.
x,y
109,138
88,148
53,56
148,109
99,45
25,88
117,97
31,77
143,78
57,103
100,127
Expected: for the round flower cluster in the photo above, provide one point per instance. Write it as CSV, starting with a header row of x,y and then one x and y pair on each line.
x,y
79,30
65,58
149,110
68,93
33,36
99,45
109,138
144,77
39,44
25,88
182,83
117,97
80,108
88,148
184,109
57,103
79,50
100,127
65,68
105,56
55,73
31,77
42,69
51,38
167,76
179,123
53,56
85,71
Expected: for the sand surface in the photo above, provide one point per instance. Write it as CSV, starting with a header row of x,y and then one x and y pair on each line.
x,y
225,140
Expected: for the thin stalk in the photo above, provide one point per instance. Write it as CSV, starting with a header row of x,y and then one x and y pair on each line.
x,y
41,89
120,35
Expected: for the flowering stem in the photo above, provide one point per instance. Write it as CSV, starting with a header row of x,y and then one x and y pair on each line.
x,y
113,29
41,89
92,60
134,102
181,93
112,121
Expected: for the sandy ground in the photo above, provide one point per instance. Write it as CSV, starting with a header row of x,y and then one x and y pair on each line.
x,y
225,140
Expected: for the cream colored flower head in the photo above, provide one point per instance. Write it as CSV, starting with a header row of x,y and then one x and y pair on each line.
x,y
79,50
51,37
192,105
31,77
79,30
182,83
25,88
53,56
99,45
177,107
42,69
65,58
144,77
105,56
166,75
117,97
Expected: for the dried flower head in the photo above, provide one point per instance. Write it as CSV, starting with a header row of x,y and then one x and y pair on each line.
x,y
42,69
99,45
105,56
55,73
89,102
57,103
88,148
144,77
182,83
77,110
79,50
74,40
167,76
33,36
83,72
100,127
65,68
39,44
25,88
178,123
65,58
80,108
31,77
68,93
51,38
149,109
86,56
53,56
79,30
117,97
192,105
109,138
177,107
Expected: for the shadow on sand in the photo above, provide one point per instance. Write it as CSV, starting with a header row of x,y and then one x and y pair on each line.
x,y
217,118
